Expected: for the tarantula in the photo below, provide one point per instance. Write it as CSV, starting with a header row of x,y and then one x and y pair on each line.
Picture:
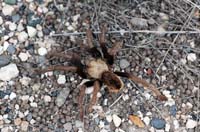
x,y
98,69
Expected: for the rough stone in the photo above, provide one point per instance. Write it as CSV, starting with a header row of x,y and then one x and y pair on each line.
x,y
8,72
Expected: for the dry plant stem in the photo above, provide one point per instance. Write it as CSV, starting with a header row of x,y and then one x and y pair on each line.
x,y
58,68
94,96
61,55
80,101
129,32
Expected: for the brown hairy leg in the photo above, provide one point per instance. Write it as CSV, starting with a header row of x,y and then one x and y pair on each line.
x,y
116,47
102,40
57,68
81,100
144,83
94,95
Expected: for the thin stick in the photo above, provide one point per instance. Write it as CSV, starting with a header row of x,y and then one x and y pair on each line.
x,y
129,32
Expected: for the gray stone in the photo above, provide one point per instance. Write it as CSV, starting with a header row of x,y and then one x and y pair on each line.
x,y
79,124
8,72
68,126
60,100
16,18
10,2
158,123
11,49
124,63
4,60
140,22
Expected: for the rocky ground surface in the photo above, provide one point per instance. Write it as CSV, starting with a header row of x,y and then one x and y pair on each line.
x,y
48,102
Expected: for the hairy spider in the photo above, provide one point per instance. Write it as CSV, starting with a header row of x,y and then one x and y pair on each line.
x,y
99,69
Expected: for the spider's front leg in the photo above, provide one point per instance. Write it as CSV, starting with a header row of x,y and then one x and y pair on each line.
x,y
96,85
145,84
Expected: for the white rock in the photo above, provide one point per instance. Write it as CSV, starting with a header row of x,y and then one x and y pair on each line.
x,y
7,10
16,106
70,28
20,27
1,50
191,57
125,97
192,44
21,114
22,36
169,102
42,51
89,90
176,124
24,126
191,124
61,79
25,97
31,31
101,124
146,120
8,72
25,80
5,45
31,99
183,61
47,98
1,20
75,18
119,130
23,56
12,26
32,121
33,104
12,96
147,95
116,120
109,118
167,127
189,105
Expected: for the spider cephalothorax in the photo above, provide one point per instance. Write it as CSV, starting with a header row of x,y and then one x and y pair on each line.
x,y
99,69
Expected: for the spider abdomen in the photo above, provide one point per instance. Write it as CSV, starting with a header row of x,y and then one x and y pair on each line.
x,y
96,67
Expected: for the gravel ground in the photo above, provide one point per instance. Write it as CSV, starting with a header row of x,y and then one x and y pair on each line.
x,y
48,102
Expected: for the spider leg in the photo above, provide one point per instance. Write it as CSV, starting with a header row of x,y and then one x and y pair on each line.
x,y
116,47
58,68
91,48
73,58
144,83
94,96
81,97
102,40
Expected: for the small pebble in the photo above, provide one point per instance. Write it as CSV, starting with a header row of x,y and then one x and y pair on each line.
x,y
42,51
17,121
173,110
191,124
22,36
116,120
140,22
23,56
167,127
11,49
31,31
33,104
109,118
1,20
158,123
60,100
146,120
8,72
12,96
12,26
79,124
7,10
176,124
124,63
24,126
68,126
4,60
16,18
25,80
10,2
47,98
191,57
61,79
